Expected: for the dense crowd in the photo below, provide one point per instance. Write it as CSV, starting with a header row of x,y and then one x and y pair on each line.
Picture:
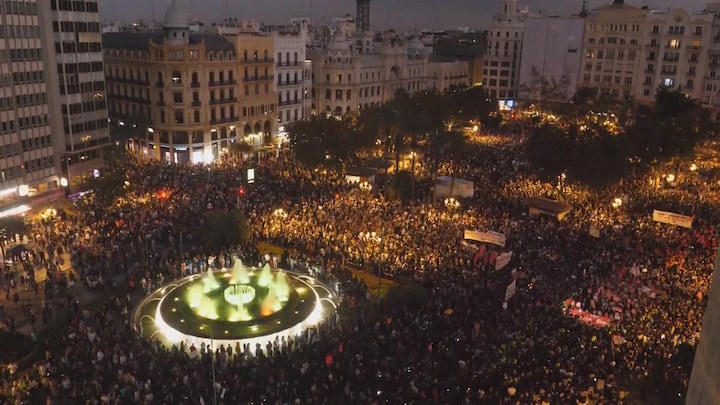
x,y
467,344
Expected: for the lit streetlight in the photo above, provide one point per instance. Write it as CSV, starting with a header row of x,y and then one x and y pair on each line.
x,y
452,204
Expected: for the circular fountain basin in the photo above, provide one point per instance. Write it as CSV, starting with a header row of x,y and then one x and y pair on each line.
x,y
186,310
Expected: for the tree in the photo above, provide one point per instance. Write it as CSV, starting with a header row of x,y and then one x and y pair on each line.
x,y
541,90
240,149
323,141
225,229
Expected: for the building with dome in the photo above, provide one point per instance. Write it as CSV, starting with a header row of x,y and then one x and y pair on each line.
x,y
355,68
192,94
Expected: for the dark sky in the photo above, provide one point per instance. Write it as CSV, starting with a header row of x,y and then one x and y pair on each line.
x,y
401,14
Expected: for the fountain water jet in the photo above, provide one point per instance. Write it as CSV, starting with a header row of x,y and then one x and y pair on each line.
x,y
270,304
240,314
240,274
281,287
207,308
265,278
195,295
209,282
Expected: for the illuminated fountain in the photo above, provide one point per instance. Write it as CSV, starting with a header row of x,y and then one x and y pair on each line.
x,y
239,273
209,282
238,305
265,278
281,287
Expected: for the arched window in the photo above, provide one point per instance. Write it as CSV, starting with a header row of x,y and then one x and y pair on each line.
x,y
195,77
176,77
262,109
252,111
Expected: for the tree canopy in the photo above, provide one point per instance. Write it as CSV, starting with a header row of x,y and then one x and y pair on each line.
x,y
225,229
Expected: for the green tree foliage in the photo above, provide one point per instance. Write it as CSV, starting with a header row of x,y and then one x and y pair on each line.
x,y
593,154
239,149
401,186
410,295
323,141
225,229
672,128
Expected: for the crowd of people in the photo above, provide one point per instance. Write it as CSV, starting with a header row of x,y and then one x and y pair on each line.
x,y
469,343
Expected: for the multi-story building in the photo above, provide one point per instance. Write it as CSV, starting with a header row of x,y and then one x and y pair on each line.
x,y
467,46
501,65
293,73
28,164
354,69
613,49
675,53
711,83
196,93
552,49
74,65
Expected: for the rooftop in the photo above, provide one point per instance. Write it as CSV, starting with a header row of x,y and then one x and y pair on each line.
x,y
140,41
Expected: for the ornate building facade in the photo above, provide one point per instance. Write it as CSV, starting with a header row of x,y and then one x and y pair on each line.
x,y
196,93
355,69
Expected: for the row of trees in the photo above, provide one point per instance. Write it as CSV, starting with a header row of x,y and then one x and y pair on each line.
x,y
600,150
421,121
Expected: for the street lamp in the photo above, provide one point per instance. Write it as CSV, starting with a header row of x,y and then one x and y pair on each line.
x,y
452,204
365,186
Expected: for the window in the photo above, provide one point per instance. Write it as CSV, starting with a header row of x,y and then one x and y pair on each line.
x,y
179,117
196,116
674,44
177,98
668,82
176,77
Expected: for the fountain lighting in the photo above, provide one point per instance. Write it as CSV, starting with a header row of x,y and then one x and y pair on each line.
x,y
209,282
265,278
240,274
194,296
281,287
273,303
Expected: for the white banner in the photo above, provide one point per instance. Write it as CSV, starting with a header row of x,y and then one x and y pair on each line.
x,y
489,237
503,260
510,290
672,218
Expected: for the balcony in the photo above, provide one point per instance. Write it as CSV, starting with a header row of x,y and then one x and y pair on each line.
x,y
670,59
195,85
196,103
652,46
222,83
136,82
690,74
224,101
290,83
289,102
259,60
651,58
649,70
288,64
159,85
694,48
160,104
668,72
647,84
259,78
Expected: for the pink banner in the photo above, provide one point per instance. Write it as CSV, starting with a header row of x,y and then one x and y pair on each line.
x,y
573,309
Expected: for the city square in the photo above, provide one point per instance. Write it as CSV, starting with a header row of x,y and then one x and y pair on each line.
x,y
242,213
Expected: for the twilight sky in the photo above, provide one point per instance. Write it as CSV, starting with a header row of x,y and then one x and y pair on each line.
x,y
401,14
